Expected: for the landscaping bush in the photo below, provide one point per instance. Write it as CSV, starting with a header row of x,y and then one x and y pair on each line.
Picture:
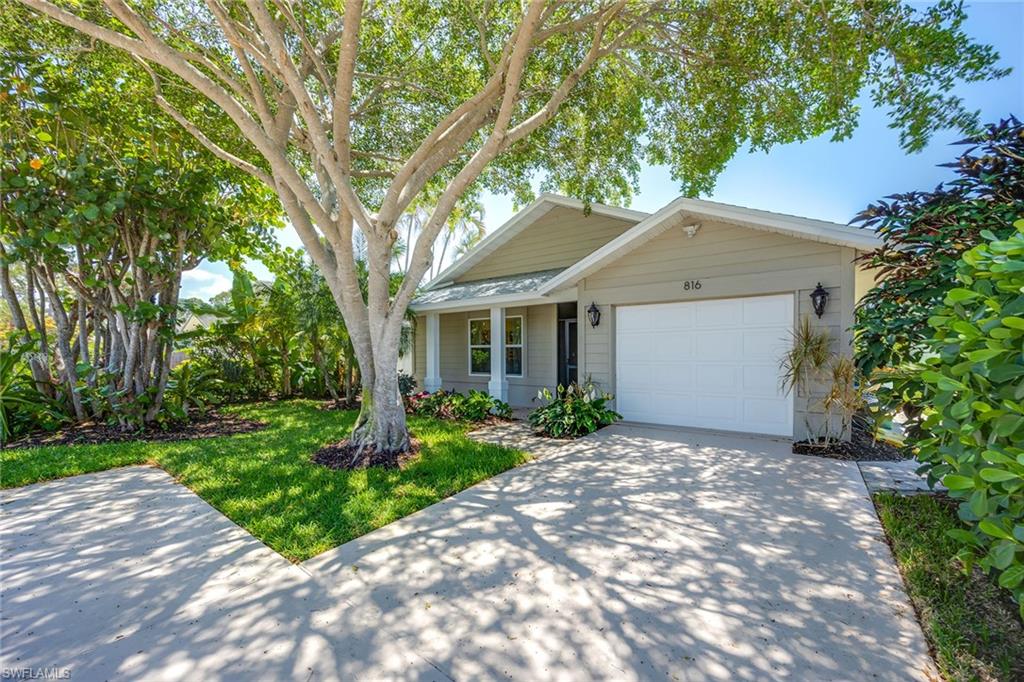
x,y
406,384
23,407
972,428
476,406
925,234
573,411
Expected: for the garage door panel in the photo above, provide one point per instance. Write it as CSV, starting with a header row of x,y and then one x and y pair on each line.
x,y
710,364
636,317
670,408
763,344
761,380
636,376
766,310
671,377
715,313
633,402
716,379
718,346
672,346
635,347
722,409
671,316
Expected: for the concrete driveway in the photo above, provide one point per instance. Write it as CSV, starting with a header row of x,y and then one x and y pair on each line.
x,y
632,554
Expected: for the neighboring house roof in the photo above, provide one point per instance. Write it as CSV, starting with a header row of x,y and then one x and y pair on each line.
x,y
552,285
197,321
519,222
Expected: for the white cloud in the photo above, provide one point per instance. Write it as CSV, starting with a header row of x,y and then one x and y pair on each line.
x,y
203,283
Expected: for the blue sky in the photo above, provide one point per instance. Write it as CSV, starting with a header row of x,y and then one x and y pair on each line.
x,y
817,178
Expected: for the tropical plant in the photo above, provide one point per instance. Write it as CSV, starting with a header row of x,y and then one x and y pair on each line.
x,y
924,235
807,358
475,406
573,411
972,428
191,388
810,362
355,113
22,405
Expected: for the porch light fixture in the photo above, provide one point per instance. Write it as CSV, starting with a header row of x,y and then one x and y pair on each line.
x,y
819,299
594,315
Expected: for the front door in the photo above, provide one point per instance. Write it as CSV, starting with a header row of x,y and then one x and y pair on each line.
x,y
567,352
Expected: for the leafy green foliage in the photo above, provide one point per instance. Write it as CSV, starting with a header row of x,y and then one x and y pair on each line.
x,y
971,435
475,406
925,235
266,482
22,405
104,202
573,411
191,388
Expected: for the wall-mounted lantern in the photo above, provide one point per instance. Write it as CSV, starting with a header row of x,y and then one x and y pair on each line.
x,y
819,299
594,315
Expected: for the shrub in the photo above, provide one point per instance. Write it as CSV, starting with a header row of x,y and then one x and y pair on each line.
x,y
406,384
477,406
23,407
925,234
574,411
192,388
973,422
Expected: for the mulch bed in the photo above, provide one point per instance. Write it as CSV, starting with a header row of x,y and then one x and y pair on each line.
x,y
209,425
862,447
342,455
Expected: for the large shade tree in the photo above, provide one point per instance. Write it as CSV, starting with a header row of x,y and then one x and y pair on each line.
x,y
354,110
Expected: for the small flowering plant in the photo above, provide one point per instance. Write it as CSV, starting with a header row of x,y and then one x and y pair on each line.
x,y
573,411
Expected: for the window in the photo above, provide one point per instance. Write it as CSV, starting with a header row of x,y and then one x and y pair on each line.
x,y
514,346
480,346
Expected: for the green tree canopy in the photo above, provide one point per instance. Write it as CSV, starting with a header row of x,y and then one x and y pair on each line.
x,y
356,112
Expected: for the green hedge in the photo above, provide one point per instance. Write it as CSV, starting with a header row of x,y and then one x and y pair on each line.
x,y
974,422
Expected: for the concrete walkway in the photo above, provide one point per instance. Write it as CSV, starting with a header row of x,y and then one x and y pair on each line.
x,y
899,477
632,554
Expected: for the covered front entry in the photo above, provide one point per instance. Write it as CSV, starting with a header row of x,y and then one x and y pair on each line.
x,y
710,364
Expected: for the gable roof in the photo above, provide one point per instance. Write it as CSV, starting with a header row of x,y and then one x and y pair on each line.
x,y
519,222
553,285
683,210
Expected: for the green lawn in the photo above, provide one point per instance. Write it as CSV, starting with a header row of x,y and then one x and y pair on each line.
x,y
266,483
971,623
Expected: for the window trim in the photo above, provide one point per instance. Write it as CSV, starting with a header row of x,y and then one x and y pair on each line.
x,y
470,346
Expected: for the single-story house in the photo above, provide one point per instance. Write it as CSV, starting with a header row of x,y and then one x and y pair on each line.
x,y
682,314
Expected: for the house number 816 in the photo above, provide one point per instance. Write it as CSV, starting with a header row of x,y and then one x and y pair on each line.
x,y
691,284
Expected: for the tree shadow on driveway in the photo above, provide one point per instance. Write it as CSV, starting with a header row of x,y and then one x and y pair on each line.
x,y
631,554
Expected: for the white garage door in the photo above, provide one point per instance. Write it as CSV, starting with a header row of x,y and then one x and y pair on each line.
x,y
710,364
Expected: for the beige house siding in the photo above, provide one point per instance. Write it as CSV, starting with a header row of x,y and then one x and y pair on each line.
x,y
731,262
541,353
558,239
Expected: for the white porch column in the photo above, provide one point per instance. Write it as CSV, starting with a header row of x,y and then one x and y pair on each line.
x,y
498,386
432,377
